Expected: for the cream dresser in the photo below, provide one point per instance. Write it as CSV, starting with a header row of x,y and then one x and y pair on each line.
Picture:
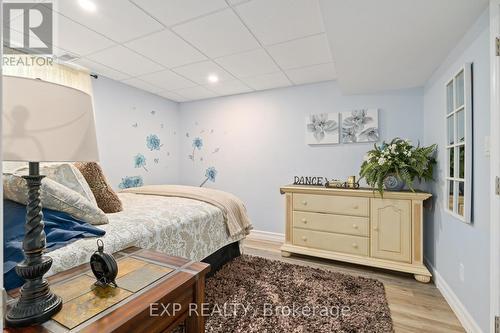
x,y
357,226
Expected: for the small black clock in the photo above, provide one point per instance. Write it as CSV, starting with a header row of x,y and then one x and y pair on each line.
x,y
103,266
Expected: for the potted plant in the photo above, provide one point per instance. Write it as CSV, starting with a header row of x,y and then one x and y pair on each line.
x,y
396,164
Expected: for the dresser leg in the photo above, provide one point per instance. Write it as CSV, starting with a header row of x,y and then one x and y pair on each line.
x,y
285,254
422,278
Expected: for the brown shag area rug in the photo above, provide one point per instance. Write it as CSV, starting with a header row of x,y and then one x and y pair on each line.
x,y
253,294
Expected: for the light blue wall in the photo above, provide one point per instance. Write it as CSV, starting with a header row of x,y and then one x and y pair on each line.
x,y
450,242
257,143
125,117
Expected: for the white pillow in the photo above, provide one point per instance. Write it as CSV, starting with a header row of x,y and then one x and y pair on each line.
x,y
65,174
56,197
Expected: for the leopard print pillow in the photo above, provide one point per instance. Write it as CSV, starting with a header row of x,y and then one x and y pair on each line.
x,y
106,198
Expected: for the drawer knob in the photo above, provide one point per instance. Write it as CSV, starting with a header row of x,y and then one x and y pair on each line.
x,y
375,228
355,207
354,245
304,220
304,202
355,226
304,238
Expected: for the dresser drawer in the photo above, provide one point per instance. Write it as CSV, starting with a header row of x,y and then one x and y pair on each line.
x,y
331,242
351,225
331,204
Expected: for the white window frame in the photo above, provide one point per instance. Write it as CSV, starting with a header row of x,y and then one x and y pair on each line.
x,y
467,144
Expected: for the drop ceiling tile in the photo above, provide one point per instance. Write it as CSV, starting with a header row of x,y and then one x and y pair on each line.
x,y
170,12
281,20
166,48
193,93
218,34
199,72
125,60
236,2
78,39
267,81
301,52
248,63
311,74
172,96
138,83
167,80
100,69
229,87
116,19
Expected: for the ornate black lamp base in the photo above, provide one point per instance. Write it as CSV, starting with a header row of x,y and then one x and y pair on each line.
x,y
36,303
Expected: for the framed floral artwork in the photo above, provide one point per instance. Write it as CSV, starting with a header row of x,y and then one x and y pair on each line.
x,y
360,126
322,128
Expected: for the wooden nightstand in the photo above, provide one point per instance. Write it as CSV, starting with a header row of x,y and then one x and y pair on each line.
x,y
149,284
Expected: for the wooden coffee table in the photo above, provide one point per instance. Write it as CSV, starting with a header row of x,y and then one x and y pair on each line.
x,y
155,294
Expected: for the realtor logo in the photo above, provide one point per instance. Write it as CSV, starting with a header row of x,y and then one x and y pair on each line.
x,y
28,28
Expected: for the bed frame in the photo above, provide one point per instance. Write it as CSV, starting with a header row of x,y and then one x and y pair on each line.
x,y
222,256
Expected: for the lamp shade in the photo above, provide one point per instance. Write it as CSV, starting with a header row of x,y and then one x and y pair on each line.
x,y
46,122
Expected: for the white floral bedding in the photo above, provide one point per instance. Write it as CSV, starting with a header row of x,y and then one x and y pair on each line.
x,y
176,226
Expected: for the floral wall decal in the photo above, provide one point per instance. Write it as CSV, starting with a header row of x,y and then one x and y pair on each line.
x,y
322,128
197,144
203,144
360,126
210,175
140,161
153,142
128,182
131,126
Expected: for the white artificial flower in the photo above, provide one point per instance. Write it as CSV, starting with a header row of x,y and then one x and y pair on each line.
x,y
381,161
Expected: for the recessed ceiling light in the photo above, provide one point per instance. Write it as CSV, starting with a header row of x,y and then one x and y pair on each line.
x,y
88,5
212,78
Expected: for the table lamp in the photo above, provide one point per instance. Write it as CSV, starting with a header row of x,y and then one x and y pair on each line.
x,y
42,122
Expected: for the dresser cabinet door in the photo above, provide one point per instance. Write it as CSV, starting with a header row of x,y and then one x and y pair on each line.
x,y
391,229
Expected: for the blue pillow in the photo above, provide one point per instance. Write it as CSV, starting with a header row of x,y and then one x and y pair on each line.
x,y
60,230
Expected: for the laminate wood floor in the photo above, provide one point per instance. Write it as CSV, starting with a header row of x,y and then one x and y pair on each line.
x,y
415,307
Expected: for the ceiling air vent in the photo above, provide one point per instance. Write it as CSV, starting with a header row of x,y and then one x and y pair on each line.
x,y
67,57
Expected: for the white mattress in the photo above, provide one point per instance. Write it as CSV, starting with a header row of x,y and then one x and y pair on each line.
x,y
176,226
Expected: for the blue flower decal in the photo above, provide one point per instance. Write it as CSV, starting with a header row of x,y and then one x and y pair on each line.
x,y
197,143
153,142
210,173
140,161
128,182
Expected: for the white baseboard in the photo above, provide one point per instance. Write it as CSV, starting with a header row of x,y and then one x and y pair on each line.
x,y
465,318
266,236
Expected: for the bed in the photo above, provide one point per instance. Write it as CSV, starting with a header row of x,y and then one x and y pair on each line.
x,y
200,224
177,226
